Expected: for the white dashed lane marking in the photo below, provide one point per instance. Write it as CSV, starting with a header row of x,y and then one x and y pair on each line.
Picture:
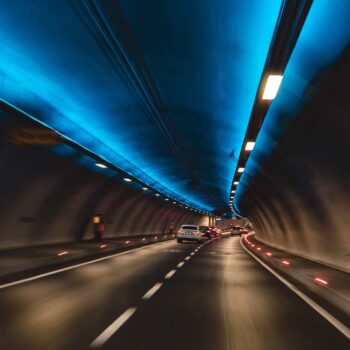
x,y
106,334
170,274
152,291
113,328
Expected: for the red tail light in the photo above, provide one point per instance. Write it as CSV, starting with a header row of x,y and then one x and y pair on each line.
x,y
321,280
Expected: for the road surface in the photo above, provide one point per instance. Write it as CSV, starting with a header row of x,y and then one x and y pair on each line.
x,y
162,297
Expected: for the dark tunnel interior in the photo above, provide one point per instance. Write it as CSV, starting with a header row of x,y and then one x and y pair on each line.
x,y
174,174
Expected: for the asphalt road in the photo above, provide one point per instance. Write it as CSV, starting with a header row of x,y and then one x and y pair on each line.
x,y
220,298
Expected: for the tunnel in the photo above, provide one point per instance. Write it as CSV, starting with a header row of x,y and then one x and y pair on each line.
x,y
174,174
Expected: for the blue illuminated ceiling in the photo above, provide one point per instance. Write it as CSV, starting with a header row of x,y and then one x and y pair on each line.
x,y
162,89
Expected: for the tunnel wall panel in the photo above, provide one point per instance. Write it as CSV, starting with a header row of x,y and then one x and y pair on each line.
x,y
299,200
47,198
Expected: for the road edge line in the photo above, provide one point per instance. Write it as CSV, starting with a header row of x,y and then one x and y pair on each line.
x,y
341,327
71,267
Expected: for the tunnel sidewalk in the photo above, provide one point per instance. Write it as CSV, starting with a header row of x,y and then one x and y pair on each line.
x,y
19,263
330,286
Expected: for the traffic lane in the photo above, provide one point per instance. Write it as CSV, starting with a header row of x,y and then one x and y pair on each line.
x,y
68,310
223,299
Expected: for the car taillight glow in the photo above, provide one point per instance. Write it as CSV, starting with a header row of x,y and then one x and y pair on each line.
x,y
320,280
62,253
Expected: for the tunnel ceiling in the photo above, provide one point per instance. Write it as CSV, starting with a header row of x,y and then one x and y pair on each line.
x,y
162,89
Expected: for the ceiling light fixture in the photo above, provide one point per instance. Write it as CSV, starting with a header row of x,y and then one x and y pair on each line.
x,y
127,179
100,165
240,170
249,146
272,86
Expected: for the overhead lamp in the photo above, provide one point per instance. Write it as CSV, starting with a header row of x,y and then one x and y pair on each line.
x,y
127,179
235,183
233,191
240,170
157,194
174,202
100,165
249,146
166,199
145,188
272,86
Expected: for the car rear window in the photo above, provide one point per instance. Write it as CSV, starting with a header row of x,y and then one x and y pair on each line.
x,y
190,227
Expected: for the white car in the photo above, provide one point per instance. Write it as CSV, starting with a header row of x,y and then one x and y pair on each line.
x,y
190,233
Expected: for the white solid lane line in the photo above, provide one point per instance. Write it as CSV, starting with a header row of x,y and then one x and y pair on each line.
x,y
152,291
106,334
180,264
170,274
54,272
318,308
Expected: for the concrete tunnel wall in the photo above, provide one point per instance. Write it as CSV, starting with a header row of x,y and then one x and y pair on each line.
x,y
46,198
300,198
